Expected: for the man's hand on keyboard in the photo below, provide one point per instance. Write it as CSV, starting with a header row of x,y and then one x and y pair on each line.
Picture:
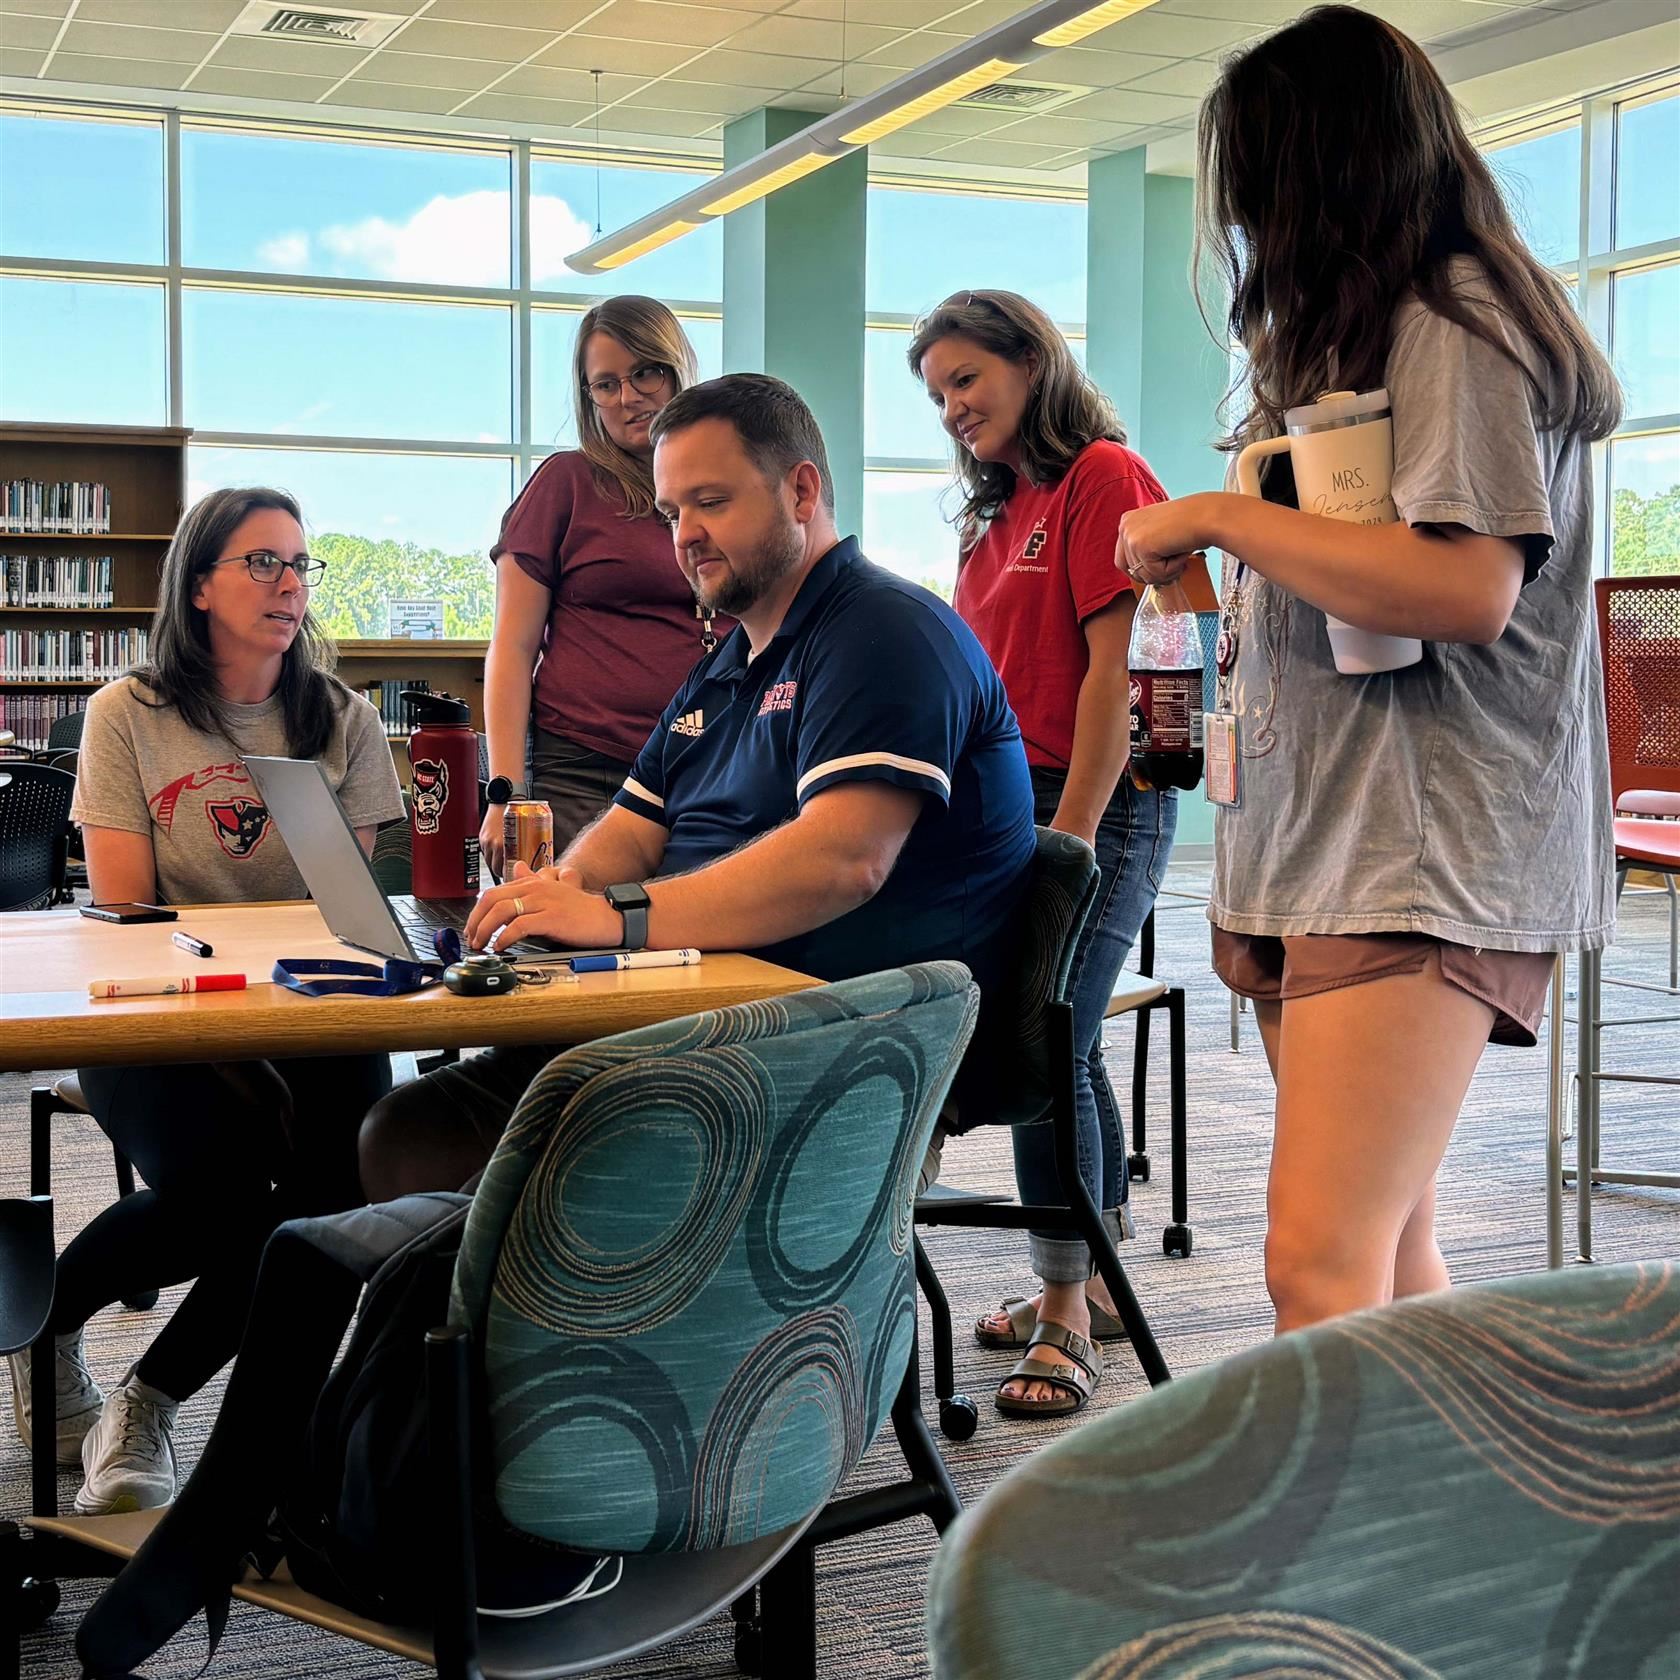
x,y
551,904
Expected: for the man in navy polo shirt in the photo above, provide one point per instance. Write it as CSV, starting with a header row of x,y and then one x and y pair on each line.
x,y
840,786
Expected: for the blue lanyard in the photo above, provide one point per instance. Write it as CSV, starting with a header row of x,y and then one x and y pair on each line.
x,y
397,977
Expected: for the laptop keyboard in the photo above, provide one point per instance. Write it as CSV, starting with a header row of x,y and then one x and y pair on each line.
x,y
420,918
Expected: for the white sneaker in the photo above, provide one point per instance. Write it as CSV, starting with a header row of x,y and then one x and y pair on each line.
x,y
77,1397
129,1454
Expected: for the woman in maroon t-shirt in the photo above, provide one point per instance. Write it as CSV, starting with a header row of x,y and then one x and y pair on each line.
x,y
594,603
1042,463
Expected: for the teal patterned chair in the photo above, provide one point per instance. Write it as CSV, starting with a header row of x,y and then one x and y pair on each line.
x,y
1474,1485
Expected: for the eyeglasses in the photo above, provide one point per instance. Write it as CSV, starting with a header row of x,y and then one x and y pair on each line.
x,y
265,566
648,379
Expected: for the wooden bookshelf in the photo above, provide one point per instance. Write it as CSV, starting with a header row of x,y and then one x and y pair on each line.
x,y
144,470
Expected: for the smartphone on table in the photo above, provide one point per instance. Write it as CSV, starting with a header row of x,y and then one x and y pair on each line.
x,y
128,913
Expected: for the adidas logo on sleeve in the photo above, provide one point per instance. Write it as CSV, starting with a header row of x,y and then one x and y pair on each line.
x,y
690,723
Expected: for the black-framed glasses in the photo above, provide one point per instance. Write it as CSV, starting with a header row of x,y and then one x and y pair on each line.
x,y
648,379
265,566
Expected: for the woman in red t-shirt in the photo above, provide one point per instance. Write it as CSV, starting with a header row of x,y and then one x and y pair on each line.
x,y
594,603
1045,474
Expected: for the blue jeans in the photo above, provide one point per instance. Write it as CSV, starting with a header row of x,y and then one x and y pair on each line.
x,y
1134,842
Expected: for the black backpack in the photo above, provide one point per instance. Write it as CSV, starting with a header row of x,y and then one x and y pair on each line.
x,y
328,1467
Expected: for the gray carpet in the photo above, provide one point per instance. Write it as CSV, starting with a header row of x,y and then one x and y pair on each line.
x,y
871,1589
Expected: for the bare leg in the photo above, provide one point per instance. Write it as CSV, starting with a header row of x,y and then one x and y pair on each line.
x,y
1269,1018
1418,1266
1370,1081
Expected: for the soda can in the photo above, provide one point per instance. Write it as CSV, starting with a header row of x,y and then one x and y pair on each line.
x,y
527,834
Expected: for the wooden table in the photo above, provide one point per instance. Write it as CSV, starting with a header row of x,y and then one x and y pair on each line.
x,y
48,1021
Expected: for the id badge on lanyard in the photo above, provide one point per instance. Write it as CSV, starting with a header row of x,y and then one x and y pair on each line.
x,y
1222,729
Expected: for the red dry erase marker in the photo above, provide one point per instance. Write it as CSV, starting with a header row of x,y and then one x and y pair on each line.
x,y
166,985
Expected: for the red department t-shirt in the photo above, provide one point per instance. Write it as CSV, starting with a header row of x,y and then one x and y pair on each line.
x,y
622,631
1042,566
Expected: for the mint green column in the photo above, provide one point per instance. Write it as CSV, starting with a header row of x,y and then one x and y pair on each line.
x,y
1148,347
793,270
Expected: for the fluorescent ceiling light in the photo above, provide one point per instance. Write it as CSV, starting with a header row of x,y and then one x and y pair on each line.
x,y
807,165
1088,23
971,81
990,57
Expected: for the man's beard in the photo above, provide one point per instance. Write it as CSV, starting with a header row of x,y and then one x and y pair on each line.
x,y
753,575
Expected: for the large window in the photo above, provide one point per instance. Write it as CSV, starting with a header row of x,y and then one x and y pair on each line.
x,y
358,320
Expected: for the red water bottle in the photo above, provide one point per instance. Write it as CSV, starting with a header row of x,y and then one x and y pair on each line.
x,y
443,755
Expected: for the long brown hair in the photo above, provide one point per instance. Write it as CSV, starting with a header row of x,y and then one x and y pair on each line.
x,y
651,333
180,671
1334,178
1065,411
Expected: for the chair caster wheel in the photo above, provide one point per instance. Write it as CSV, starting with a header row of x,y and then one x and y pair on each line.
x,y
959,1417
1175,1242
1138,1165
143,1302
36,1602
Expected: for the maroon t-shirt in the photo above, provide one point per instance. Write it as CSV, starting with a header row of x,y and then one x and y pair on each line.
x,y
622,631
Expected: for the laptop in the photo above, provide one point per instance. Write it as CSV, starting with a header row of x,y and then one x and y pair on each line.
x,y
357,910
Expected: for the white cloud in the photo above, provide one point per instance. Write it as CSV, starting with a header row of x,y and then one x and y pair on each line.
x,y
460,240
286,250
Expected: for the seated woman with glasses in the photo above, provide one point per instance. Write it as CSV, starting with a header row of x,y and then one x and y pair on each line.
x,y
594,603
169,813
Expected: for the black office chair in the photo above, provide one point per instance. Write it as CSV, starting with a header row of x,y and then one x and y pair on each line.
x,y
34,834
1176,1238
65,733
1027,1079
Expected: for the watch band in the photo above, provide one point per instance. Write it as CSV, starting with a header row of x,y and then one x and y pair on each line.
x,y
630,900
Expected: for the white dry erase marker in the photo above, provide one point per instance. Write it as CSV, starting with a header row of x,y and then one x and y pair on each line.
x,y
635,959
198,947
166,985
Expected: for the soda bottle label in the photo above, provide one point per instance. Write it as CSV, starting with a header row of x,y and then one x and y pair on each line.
x,y
1166,711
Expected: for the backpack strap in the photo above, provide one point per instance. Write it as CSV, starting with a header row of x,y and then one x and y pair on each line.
x,y
310,1279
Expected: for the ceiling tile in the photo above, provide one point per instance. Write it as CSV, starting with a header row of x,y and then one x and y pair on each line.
x,y
894,14
724,101
683,26
725,65
1083,67
260,84
1267,12
466,40
1122,105
1173,37
20,61
38,8
639,59
116,72
978,17
853,82
1429,20
1008,153
1190,78
290,58
554,81
549,15
16,32
913,51
393,96
813,38
535,113
1053,129
466,75
158,46
214,15
623,119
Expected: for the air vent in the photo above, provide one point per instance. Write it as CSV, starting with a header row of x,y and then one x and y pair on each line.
x,y
1023,98
300,23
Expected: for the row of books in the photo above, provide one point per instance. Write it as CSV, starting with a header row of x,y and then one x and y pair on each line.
x,y
57,580
73,509
30,717
69,655
387,700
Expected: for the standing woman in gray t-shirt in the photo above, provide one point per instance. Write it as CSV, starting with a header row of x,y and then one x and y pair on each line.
x,y
1406,851
169,811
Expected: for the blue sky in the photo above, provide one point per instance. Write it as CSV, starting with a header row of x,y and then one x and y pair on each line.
x,y
264,362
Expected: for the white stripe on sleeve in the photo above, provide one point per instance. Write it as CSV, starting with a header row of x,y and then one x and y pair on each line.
x,y
637,791
915,766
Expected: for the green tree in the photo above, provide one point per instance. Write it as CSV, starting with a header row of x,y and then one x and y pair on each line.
x,y
1645,533
363,575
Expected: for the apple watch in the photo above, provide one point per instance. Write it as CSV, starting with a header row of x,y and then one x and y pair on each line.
x,y
630,899
499,790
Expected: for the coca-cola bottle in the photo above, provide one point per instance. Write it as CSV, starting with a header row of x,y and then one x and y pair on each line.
x,y
1165,661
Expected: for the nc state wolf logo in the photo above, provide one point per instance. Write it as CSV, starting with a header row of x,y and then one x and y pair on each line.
x,y
431,793
239,824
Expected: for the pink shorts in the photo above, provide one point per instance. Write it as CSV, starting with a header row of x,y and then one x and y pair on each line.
x,y
1273,970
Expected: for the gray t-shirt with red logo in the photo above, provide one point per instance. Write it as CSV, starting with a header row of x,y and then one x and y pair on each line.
x,y
1467,797
144,770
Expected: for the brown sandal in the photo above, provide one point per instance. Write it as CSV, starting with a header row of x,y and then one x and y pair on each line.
x,y
1023,1320
1075,1376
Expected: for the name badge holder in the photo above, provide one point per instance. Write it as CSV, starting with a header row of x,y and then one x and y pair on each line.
x,y
1221,728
